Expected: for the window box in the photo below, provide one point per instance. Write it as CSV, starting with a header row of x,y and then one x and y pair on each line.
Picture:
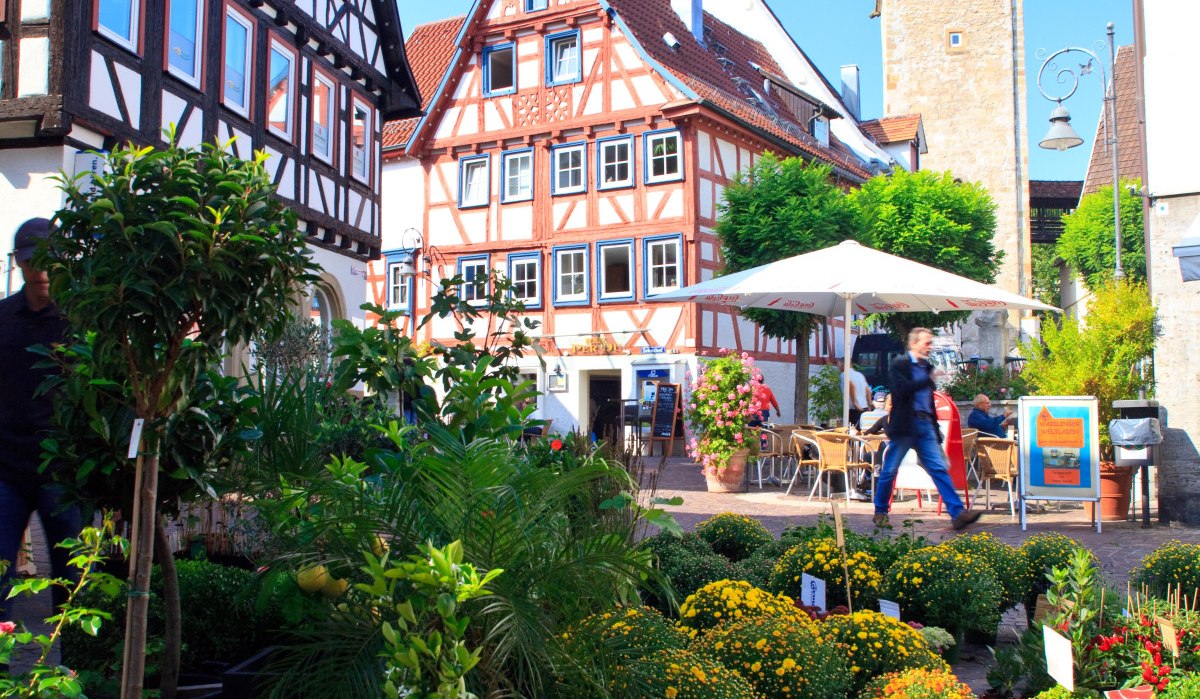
x,y
516,175
525,273
568,174
614,162
563,58
571,276
185,40
500,70
474,181
238,59
662,262
663,156
614,270
474,272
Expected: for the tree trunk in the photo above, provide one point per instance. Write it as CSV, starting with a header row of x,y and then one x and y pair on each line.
x,y
169,675
800,406
133,669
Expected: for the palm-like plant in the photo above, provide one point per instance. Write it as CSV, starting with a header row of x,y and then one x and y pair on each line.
x,y
544,515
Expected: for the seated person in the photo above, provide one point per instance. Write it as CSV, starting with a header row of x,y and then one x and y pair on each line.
x,y
980,419
867,421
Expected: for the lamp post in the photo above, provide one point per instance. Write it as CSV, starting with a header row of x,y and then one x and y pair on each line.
x,y
1061,136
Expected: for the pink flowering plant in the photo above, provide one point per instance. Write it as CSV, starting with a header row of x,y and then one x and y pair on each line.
x,y
720,409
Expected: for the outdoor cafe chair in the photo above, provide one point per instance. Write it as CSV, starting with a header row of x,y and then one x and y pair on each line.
x,y
803,440
969,457
771,449
997,460
834,456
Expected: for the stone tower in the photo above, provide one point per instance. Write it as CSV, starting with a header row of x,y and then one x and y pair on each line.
x,y
960,64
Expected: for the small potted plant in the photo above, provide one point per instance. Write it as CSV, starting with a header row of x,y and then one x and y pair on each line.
x,y
718,414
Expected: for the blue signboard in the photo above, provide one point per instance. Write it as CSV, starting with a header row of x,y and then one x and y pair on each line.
x,y
653,350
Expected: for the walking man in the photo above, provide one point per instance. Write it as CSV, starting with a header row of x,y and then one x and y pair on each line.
x,y
28,318
913,425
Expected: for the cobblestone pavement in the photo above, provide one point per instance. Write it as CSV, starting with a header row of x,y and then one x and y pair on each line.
x,y
1119,547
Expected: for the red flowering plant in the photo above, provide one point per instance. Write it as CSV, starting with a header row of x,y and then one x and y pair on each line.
x,y
1130,651
720,408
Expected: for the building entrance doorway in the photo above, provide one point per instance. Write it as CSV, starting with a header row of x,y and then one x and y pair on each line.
x,y
604,402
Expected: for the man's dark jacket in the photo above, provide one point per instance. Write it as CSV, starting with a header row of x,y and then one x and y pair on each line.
x,y
24,418
903,419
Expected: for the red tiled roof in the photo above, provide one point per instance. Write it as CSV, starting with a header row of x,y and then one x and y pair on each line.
x,y
895,129
698,68
430,49
1129,145
1055,189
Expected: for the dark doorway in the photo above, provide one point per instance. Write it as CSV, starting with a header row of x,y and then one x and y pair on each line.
x,y
604,402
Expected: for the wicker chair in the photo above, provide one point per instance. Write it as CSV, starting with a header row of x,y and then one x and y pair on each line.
x,y
997,459
803,439
835,457
969,456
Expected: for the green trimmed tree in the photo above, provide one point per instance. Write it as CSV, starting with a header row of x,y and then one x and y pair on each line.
x,y
774,210
1088,243
935,219
170,256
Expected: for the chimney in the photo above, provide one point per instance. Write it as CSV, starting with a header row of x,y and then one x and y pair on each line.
x,y
850,90
692,14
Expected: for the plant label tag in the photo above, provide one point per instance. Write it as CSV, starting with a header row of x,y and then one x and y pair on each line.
x,y
889,608
135,439
814,591
1169,635
839,532
1060,663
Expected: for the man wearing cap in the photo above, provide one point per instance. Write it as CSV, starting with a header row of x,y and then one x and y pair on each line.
x,y
28,318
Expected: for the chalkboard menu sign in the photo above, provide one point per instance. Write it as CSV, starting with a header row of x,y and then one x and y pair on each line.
x,y
666,406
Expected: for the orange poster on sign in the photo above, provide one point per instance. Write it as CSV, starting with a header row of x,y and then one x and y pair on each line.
x,y
1059,432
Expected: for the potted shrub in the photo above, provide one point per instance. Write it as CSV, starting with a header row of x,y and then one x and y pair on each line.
x,y
1102,357
719,412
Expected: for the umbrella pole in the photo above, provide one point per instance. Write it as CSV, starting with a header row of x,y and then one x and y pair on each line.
x,y
846,358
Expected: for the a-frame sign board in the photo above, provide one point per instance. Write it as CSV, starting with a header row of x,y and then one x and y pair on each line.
x,y
664,417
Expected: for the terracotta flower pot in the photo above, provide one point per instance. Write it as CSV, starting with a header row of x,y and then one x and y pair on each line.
x,y
1115,482
732,478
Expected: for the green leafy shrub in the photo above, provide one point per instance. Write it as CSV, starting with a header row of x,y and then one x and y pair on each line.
x,y
1061,692
600,648
1043,552
875,645
758,567
822,558
1174,565
885,549
944,587
1184,688
732,535
779,658
718,602
1007,564
826,401
682,674
917,684
687,562
994,382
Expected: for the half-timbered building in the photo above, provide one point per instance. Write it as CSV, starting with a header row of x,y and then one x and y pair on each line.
x,y
310,82
581,148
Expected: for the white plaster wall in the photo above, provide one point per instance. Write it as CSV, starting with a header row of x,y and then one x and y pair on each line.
x,y
1171,57
26,191
351,277
402,187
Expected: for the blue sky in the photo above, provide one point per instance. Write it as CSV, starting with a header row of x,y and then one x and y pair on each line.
x,y
837,32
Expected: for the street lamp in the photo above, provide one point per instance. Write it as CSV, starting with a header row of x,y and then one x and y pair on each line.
x,y
1061,136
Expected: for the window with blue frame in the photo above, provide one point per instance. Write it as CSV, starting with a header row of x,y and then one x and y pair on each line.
x,y
663,156
400,281
525,274
118,20
185,31
499,69
568,168
570,275
535,5
474,272
474,181
614,162
614,270
516,175
563,64
662,260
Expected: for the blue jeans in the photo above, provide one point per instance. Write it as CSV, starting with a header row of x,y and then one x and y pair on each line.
x,y
932,460
18,501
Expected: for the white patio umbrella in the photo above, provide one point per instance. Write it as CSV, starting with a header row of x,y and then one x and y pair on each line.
x,y
846,279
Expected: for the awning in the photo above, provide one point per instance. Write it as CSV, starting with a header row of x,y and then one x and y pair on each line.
x,y
1188,252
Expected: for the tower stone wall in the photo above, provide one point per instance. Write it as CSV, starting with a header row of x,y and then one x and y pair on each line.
x,y
960,64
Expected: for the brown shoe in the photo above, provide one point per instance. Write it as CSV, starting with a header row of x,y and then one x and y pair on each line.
x,y
881,521
966,518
